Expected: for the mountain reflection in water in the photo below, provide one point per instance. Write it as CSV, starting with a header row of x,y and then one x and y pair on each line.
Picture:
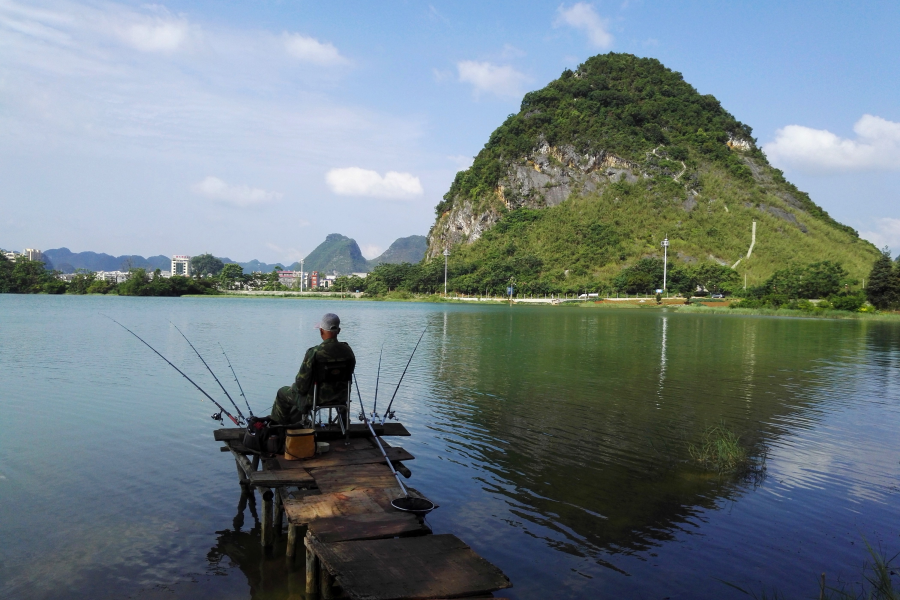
x,y
554,439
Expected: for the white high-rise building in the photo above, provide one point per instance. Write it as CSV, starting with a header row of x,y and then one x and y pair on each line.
x,y
181,265
33,254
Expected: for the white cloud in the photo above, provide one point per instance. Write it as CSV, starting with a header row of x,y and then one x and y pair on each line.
x,y
241,196
490,78
371,251
886,233
353,181
510,52
583,16
155,35
876,147
311,50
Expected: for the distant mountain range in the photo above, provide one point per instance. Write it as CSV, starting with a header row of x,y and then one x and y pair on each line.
x,y
337,253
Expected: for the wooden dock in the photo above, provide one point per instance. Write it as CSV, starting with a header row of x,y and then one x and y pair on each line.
x,y
356,544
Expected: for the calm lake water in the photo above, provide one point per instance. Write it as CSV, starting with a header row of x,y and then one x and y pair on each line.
x,y
554,439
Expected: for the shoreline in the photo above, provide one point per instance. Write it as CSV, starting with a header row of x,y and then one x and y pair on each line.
x,y
698,307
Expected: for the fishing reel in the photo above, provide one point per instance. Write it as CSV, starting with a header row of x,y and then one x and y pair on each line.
x,y
218,417
390,415
361,417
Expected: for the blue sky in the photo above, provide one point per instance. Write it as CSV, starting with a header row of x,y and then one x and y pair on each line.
x,y
253,129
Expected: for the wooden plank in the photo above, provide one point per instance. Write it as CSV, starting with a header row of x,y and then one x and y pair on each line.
x,y
324,434
370,526
357,430
323,506
229,433
340,479
336,458
242,462
280,478
425,567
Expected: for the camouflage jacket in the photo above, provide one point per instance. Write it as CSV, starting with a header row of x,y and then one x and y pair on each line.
x,y
301,390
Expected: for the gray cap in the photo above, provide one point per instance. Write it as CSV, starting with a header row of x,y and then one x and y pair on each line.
x,y
330,322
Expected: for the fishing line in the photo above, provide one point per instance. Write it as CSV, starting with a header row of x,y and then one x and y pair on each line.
x,y
250,410
388,413
210,372
377,379
202,391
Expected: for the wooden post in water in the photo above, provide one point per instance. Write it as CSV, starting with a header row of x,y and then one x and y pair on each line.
x,y
326,580
266,528
291,542
278,522
312,568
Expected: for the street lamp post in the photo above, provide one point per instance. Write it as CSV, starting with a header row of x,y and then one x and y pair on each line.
x,y
446,254
302,282
665,245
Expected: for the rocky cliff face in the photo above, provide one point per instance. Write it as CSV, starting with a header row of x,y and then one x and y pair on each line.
x,y
544,178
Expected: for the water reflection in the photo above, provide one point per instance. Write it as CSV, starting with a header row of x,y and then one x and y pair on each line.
x,y
583,420
268,574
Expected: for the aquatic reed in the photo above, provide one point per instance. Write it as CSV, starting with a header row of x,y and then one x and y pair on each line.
x,y
719,450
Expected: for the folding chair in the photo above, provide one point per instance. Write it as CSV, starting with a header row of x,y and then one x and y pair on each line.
x,y
333,372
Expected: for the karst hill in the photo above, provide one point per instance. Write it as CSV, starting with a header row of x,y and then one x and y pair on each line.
x,y
599,166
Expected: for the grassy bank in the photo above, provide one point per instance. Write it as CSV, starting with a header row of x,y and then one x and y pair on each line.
x,y
671,304
783,312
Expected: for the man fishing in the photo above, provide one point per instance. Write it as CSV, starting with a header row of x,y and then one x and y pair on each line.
x,y
293,403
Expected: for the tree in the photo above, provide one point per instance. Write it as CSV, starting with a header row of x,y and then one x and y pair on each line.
x,y
882,289
230,275
82,281
716,278
823,279
206,264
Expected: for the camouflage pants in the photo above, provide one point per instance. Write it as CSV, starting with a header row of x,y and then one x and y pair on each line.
x,y
288,409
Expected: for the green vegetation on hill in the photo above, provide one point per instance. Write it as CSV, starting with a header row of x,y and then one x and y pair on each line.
x,y
337,253
664,161
404,250
585,242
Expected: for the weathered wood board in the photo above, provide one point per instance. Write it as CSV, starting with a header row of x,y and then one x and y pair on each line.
x,y
329,505
338,458
424,567
298,477
369,526
357,430
345,479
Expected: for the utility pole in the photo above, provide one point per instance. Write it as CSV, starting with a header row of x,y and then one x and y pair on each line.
x,y
665,245
446,254
302,279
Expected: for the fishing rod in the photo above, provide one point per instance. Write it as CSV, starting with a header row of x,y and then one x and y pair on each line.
x,y
217,417
377,379
406,503
388,413
377,440
240,415
250,410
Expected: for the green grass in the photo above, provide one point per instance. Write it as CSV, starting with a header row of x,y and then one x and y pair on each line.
x,y
719,450
783,312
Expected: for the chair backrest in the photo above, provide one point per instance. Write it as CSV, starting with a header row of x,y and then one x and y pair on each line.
x,y
332,371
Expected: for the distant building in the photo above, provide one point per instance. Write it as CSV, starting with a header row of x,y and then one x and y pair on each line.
x,y
289,278
181,265
314,279
113,276
328,281
33,254
363,275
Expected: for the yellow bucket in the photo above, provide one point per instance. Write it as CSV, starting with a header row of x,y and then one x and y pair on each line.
x,y
299,443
